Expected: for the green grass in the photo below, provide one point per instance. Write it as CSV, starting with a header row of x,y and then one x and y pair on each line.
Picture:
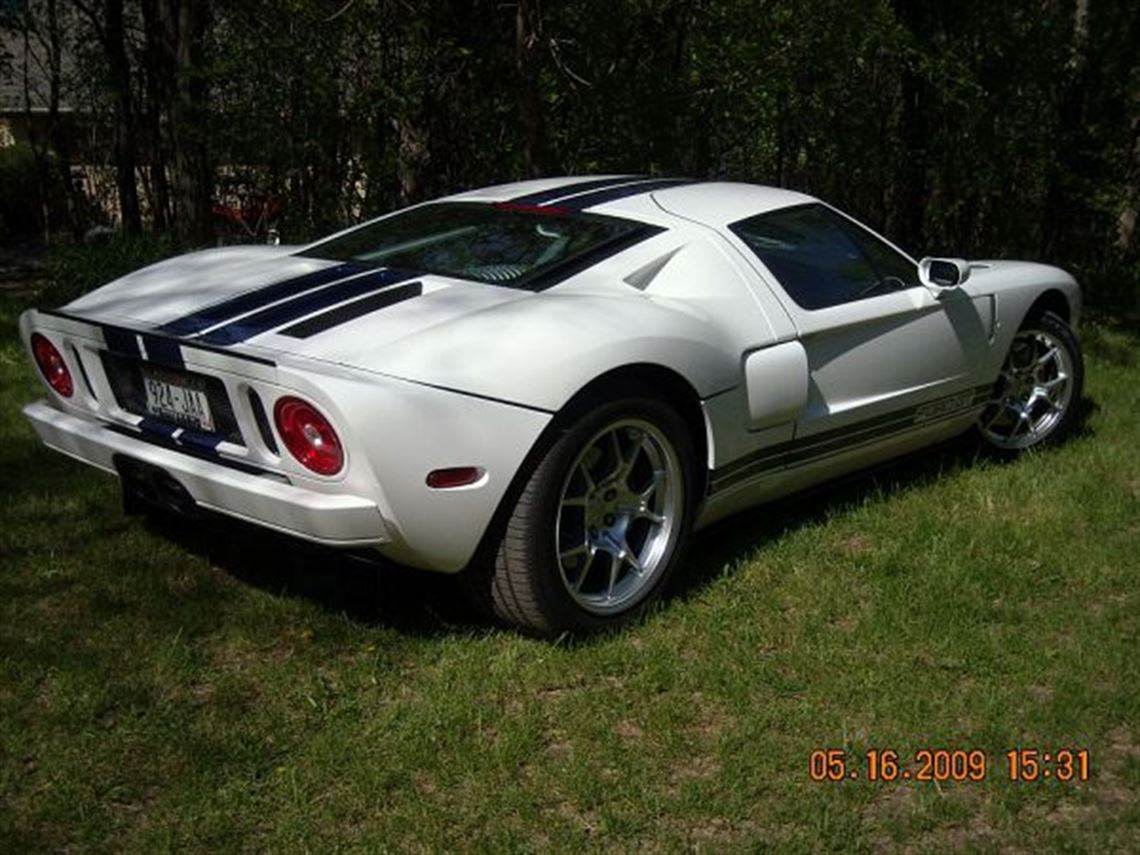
x,y
222,689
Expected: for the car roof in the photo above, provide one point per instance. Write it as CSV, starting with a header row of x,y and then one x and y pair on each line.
x,y
718,203
714,203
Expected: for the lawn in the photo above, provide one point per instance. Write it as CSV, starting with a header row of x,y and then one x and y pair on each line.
x,y
221,689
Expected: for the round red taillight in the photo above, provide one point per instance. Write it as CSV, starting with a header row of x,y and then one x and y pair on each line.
x,y
308,436
52,366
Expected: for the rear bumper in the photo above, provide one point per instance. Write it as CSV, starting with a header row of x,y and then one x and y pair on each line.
x,y
266,499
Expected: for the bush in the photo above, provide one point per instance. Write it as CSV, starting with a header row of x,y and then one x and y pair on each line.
x,y
21,205
75,269
1111,286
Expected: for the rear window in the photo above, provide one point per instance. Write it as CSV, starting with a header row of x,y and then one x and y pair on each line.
x,y
500,244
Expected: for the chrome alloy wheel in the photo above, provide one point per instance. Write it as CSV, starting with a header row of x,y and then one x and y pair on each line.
x,y
1033,392
618,516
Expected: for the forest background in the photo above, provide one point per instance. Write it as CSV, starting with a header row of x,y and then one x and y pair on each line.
x,y
964,127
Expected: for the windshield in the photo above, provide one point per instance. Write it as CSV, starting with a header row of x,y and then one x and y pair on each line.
x,y
502,244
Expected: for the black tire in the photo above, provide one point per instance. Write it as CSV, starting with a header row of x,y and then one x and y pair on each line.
x,y
520,579
1051,328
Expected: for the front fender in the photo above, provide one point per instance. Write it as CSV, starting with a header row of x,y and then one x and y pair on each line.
x,y
1016,286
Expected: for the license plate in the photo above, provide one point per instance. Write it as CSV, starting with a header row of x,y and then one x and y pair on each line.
x,y
173,399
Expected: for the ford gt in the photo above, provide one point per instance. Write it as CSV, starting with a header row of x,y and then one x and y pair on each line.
x,y
548,385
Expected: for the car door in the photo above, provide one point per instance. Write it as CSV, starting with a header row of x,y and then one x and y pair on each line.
x,y
883,350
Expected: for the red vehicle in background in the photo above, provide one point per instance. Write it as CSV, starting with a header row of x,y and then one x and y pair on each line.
x,y
247,218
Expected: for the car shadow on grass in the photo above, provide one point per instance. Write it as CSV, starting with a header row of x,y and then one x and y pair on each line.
x,y
365,589
372,591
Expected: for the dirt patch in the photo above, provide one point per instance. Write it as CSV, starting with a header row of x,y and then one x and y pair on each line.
x,y
423,783
136,805
558,745
845,624
701,763
855,546
712,720
629,731
202,693
719,832
587,820
896,808
702,767
1110,792
892,806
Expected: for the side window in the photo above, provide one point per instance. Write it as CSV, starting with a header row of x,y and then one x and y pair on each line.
x,y
822,259
888,262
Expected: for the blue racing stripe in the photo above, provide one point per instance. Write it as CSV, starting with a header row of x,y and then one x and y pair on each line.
x,y
232,354
544,196
249,301
120,341
196,441
284,313
599,197
157,427
164,351
346,312
206,442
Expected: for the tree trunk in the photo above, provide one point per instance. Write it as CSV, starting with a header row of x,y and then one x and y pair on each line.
x,y
51,150
411,160
1059,204
158,88
1126,222
528,47
909,222
39,147
189,123
119,76
1126,241
60,139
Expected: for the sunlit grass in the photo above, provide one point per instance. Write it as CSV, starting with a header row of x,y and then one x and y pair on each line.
x,y
161,689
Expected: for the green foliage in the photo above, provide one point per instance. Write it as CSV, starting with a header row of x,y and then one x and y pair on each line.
x,y
75,269
21,201
1112,286
952,132
968,128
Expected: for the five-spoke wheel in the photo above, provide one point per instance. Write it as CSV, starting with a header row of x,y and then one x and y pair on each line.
x,y
601,522
1039,386
618,509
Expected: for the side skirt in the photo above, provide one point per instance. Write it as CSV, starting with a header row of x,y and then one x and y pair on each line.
x,y
773,484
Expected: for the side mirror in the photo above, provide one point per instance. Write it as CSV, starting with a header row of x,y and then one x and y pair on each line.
x,y
943,273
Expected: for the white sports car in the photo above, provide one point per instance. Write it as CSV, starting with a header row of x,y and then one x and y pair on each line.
x,y
548,384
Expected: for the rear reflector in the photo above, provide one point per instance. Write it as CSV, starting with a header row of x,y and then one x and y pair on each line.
x,y
308,436
52,366
459,476
262,420
83,373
